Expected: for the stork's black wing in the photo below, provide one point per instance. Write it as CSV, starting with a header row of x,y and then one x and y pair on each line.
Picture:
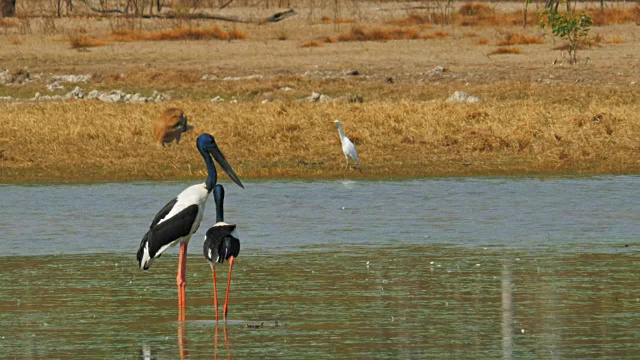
x,y
220,231
163,212
213,240
161,235
172,229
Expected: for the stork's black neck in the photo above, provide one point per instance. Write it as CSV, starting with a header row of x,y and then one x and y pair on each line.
x,y
218,197
212,175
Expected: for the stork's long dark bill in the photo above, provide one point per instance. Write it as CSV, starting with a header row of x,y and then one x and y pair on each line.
x,y
219,157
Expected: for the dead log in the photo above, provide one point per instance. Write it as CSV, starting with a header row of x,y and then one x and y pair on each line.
x,y
280,16
270,19
277,17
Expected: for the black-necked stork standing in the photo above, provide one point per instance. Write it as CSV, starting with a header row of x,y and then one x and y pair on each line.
x,y
181,217
221,243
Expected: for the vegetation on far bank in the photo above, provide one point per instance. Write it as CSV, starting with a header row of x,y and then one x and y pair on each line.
x,y
537,115
93,141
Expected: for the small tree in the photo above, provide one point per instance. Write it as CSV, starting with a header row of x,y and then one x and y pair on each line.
x,y
573,28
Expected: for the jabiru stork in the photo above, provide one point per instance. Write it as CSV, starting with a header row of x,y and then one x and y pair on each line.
x,y
221,243
181,217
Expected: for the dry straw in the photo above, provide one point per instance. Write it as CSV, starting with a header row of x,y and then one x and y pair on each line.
x,y
526,123
506,50
93,141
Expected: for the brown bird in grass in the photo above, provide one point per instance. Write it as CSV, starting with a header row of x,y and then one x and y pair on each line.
x,y
169,126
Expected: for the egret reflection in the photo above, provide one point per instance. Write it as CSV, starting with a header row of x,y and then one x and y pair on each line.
x,y
507,313
145,352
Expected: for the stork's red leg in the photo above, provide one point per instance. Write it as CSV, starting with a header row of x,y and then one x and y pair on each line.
x,y
226,297
226,343
182,341
215,343
181,278
215,292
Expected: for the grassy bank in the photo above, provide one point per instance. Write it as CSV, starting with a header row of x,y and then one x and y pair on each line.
x,y
537,115
93,141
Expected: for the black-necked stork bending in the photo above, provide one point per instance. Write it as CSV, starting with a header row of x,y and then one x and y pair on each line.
x,y
181,217
221,243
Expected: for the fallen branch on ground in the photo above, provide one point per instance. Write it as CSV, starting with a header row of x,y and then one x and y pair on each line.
x,y
277,17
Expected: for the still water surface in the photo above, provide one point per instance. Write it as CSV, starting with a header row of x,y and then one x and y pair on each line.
x,y
448,268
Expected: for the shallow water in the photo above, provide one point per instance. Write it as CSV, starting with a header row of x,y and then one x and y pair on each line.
x,y
449,268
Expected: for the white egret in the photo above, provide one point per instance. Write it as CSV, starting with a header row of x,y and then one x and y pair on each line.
x,y
348,148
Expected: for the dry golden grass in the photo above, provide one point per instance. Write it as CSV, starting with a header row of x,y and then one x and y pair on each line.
x,y
282,36
15,41
329,39
312,43
236,34
360,34
8,22
478,14
329,20
179,33
413,19
297,140
565,46
84,41
533,117
615,40
476,9
481,14
519,39
611,16
506,50
435,35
